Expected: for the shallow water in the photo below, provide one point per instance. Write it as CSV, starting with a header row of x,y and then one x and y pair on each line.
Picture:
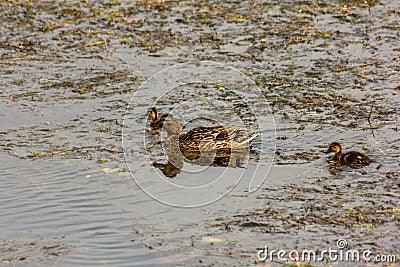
x,y
326,71
92,217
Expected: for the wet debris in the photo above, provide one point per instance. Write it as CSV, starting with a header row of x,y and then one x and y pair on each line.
x,y
13,250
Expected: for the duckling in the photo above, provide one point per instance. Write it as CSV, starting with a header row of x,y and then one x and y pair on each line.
x,y
348,158
156,121
209,138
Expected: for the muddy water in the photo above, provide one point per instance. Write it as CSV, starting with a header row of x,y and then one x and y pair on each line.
x,y
328,70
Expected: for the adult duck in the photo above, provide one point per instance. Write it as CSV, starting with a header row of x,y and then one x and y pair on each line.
x,y
216,138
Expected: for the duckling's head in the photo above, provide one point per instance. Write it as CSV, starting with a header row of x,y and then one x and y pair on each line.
x,y
153,114
334,147
172,126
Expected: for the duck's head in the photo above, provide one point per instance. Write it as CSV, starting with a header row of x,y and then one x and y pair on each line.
x,y
153,113
334,147
172,126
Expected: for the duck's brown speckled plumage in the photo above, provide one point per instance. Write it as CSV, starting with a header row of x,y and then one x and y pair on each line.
x,y
209,138
348,158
